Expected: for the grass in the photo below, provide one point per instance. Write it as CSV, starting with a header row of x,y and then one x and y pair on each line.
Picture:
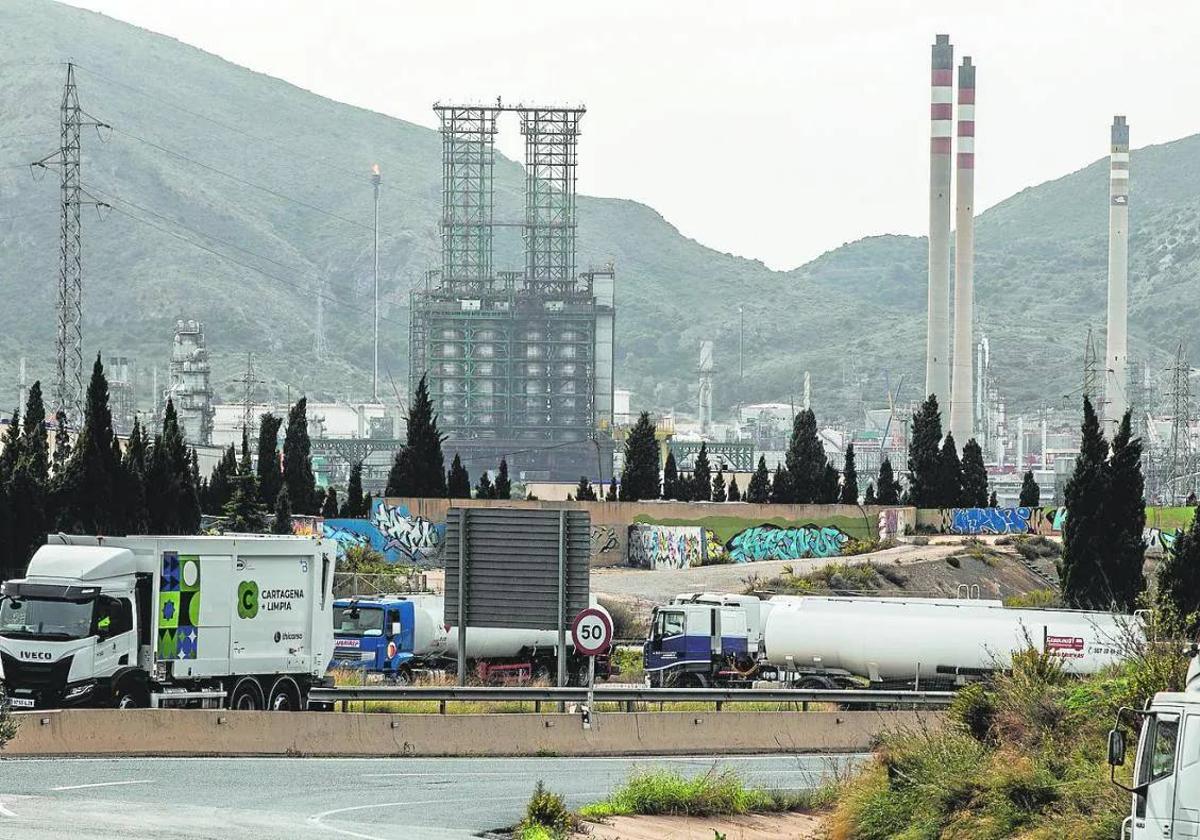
x,y
715,793
836,578
1022,755
1035,599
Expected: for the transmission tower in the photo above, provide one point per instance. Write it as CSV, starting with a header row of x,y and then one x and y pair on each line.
x,y
68,341
320,346
1180,478
247,380
1091,369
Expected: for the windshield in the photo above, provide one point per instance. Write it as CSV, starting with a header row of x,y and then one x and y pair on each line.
x,y
353,621
37,619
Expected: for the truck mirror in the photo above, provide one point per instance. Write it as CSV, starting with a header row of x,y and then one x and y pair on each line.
x,y
1116,747
395,628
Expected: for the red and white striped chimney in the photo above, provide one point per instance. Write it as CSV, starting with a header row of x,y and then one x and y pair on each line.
x,y
962,408
937,346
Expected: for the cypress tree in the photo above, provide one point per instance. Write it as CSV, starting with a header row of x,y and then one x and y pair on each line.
x,y
368,505
950,491
805,460
220,482
1125,512
993,501
686,487
62,440
35,448
888,492
282,522
133,465
718,486
503,487
639,479
670,482
458,482
329,510
1177,579
781,492
611,495
91,480
759,490
270,476
185,500
1031,494
974,476
829,485
1085,533
243,513
869,496
701,476
849,494
297,461
12,446
485,489
27,489
735,493
419,468
924,456
584,492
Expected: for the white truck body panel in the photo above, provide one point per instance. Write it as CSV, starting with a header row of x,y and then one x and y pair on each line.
x,y
884,639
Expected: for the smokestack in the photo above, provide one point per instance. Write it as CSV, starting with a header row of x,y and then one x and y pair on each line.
x,y
962,415
1116,353
937,347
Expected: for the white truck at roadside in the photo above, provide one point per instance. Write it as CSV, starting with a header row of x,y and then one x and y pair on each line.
x,y
243,621
1166,774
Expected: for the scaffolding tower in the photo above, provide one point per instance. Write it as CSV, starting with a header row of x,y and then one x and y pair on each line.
x,y
551,138
1181,464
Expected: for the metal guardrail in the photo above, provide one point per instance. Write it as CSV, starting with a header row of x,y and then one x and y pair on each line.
x,y
627,695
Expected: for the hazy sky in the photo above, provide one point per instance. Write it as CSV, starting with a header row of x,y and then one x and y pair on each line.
x,y
774,130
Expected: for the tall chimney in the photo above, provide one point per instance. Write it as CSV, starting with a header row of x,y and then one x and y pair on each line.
x,y
1116,353
937,346
962,413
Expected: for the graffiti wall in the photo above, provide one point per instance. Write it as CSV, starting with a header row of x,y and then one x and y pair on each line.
x,y
667,546
1009,520
392,530
770,542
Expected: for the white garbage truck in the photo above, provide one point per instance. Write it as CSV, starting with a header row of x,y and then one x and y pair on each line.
x,y
1166,773
244,621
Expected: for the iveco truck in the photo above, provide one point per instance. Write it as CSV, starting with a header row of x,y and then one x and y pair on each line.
x,y
244,621
1166,774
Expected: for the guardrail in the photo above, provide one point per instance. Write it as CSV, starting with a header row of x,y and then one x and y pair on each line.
x,y
628,696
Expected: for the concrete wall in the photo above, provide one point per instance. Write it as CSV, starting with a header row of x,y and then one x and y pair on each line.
x,y
611,522
172,732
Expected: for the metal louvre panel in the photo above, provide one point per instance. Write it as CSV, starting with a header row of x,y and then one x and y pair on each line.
x,y
512,563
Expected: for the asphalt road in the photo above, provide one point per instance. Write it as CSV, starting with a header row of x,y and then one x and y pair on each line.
x,y
371,799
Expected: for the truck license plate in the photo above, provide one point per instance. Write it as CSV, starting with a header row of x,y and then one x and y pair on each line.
x,y
21,702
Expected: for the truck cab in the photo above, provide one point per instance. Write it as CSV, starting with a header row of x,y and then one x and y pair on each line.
x,y
702,640
73,628
1166,774
376,634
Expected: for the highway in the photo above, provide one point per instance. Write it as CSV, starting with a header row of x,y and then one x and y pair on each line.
x,y
370,799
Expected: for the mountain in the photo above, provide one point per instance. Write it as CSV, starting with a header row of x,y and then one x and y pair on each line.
x,y
275,178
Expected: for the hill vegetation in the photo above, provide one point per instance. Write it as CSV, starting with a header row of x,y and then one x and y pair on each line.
x,y
202,150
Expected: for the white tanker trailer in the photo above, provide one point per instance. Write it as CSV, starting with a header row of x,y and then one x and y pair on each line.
x,y
828,642
396,635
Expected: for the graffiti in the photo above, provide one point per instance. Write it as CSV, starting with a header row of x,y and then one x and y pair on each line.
x,y
770,542
306,526
1010,520
392,531
666,546
604,539
894,522
1159,541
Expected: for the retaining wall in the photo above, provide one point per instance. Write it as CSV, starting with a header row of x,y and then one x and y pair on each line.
x,y
174,732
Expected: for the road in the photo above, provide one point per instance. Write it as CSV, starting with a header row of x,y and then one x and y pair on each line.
x,y
369,799
661,585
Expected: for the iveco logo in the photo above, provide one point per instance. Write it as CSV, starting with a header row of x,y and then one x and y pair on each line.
x,y
34,654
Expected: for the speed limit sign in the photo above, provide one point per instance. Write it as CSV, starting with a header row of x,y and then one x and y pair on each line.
x,y
591,631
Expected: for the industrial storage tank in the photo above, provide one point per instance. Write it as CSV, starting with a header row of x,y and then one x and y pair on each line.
x,y
889,639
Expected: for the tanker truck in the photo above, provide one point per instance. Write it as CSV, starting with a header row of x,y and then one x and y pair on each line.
x,y
131,622
399,636
1166,774
713,639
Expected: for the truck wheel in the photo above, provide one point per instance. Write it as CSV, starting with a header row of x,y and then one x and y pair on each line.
x,y
131,695
246,695
284,696
403,677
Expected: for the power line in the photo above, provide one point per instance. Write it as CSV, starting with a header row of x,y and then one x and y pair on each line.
x,y
242,180
240,263
265,140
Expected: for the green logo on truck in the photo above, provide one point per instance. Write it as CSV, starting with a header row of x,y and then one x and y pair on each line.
x,y
247,599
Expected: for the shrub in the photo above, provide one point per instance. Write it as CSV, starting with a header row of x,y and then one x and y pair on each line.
x,y
1034,599
922,540
954,562
974,710
668,792
892,575
628,621
546,816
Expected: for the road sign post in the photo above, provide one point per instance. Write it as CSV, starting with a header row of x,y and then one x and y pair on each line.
x,y
592,634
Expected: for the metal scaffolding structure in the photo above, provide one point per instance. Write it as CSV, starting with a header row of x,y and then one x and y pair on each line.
x,y
518,363
1181,463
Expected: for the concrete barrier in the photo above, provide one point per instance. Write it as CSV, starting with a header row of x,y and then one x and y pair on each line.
x,y
176,732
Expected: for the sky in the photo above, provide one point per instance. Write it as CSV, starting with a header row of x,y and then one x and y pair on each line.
x,y
771,130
